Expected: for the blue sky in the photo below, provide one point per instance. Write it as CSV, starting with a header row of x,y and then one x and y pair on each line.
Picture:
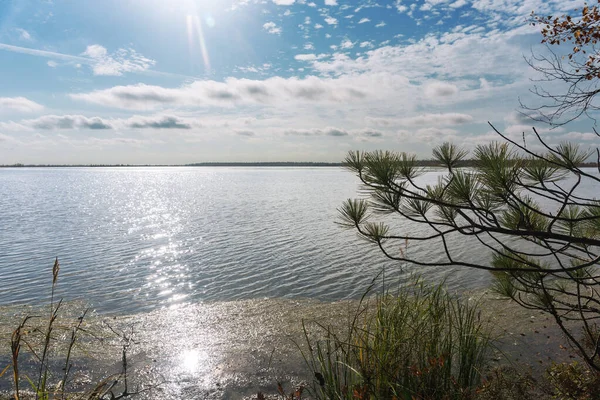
x,y
182,81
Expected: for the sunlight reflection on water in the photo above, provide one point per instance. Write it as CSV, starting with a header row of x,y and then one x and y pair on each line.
x,y
230,350
138,239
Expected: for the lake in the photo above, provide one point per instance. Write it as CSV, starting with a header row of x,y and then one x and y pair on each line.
x,y
139,239
213,270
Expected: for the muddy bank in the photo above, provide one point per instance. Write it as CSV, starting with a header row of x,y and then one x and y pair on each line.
x,y
225,350
231,350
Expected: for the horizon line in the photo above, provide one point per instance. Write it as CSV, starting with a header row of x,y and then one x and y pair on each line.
x,y
421,163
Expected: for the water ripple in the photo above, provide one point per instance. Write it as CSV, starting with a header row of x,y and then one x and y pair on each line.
x,y
138,239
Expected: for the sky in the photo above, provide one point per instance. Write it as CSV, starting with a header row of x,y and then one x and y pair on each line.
x,y
184,81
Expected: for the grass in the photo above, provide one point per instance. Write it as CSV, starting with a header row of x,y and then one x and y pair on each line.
x,y
420,343
51,347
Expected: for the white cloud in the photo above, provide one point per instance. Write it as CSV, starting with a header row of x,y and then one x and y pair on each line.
x,y
329,131
274,91
523,8
400,7
441,119
425,85
245,132
318,26
516,118
484,84
71,122
458,3
436,135
432,136
436,119
380,25
52,64
20,104
331,2
272,28
95,51
157,122
331,21
430,4
447,60
43,53
579,136
7,139
12,126
305,57
24,35
284,2
238,4
66,122
381,122
364,20
440,89
123,60
335,132
366,135
311,4
516,131
347,44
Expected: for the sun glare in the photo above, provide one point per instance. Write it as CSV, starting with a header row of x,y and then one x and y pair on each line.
x,y
198,15
190,360
194,30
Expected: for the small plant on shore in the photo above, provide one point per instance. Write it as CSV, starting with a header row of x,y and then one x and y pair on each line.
x,y
294,394
526,213
41,344
508,383
573,381
421,343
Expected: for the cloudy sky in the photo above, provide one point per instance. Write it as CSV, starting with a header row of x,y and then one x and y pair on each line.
x,y
181,81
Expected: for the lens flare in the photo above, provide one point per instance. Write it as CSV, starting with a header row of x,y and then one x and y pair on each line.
x,y
194,27
210,21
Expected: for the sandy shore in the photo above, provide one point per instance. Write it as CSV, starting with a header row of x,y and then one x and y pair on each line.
x,y
231,350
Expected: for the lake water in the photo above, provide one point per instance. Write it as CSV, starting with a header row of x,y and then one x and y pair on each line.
x,y
211,269
138,239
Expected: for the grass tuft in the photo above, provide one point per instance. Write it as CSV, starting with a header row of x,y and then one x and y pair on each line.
x,y
45,344
420,343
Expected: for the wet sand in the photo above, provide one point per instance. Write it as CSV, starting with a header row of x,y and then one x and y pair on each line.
x,y
232,350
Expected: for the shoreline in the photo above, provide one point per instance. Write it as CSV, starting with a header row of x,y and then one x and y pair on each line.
x,y
302,164
233,349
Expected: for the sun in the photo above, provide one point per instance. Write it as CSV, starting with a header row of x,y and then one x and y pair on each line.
x,y
196,15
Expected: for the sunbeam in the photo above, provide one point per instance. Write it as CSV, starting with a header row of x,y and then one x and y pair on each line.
x,y
194,27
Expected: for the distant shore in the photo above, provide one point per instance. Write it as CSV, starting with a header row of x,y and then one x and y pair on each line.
x,y
421,163
203,164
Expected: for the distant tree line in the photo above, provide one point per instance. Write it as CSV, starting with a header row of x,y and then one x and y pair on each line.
x,y
421,163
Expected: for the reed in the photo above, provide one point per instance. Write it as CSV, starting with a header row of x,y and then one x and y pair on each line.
x,y
47,343
419,343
